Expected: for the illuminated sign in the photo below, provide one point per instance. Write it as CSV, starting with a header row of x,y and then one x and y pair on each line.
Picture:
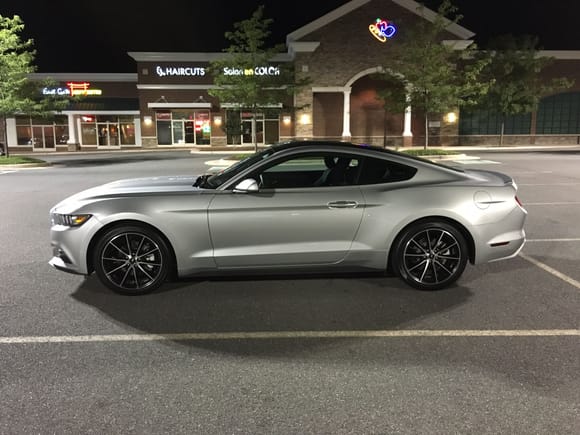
x,y
180,71
382,29
72,89
56,91
82,88
257,71
163,71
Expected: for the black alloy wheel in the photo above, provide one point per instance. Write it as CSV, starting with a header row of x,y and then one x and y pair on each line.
x,y
131,260
430,255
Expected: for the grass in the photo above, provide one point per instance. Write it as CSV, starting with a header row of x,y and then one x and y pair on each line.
x,y
240,156
18,160
426,152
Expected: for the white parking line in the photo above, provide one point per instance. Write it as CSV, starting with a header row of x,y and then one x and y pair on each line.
x,y
551,203
552,271
548,184
476,162
198,336
552,240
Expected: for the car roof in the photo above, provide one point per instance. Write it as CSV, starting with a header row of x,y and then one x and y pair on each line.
x,y
335,144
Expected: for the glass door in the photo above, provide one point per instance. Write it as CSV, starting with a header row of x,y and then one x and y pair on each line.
x,y
247,129
178,136
37,138
103,137
48,133
108,134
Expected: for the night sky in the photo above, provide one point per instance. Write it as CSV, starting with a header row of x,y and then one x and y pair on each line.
x,y
95,36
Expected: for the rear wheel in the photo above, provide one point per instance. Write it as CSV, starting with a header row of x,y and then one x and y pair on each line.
x,y
430,255
131,260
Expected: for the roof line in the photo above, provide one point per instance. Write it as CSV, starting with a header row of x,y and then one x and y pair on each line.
x,y
77,77
346,8
154,56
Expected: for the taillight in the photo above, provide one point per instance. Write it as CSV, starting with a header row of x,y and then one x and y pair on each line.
x,y
519,202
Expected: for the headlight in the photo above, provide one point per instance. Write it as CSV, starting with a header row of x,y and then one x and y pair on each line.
x,y
69,220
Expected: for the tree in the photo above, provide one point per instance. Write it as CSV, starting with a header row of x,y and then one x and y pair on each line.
x,y
438,77
18,95
393,96
515,66
247,76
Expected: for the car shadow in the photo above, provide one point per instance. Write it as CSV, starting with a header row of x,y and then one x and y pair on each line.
x,y
264,304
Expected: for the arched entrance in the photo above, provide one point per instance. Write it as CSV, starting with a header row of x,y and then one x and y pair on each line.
x,y
355,112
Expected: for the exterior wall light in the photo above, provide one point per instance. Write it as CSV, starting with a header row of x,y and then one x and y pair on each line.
x,y
451,117
147,120
286,120
305,119
217,120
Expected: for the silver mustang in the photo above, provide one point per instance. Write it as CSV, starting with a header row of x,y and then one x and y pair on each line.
x,y
294,207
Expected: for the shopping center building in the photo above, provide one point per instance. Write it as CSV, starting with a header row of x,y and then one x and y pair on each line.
x,y
166,103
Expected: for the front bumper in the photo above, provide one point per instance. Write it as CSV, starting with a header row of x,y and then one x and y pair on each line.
x,y
60,264
70,245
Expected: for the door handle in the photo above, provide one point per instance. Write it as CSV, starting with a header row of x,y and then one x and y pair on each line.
x,y
342,204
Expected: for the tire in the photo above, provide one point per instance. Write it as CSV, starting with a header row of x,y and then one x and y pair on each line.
x,y
132,260
430,255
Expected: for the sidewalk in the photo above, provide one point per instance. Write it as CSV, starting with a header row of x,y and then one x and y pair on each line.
x,y
234,150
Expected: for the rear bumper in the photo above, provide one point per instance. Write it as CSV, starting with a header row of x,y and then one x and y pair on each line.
x,y
507,244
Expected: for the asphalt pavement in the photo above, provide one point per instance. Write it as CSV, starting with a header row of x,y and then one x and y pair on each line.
x,y
497,353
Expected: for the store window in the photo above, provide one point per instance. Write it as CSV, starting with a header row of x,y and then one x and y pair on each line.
x,y
42,133
239,127
488,122
559,114
183,127
107,130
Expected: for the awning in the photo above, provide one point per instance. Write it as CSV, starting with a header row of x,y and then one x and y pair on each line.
x,y
91,105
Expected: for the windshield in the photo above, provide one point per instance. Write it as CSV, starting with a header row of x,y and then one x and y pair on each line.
x,y
217,180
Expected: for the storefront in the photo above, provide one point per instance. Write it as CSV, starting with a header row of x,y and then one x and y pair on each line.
x,y
342,102
167,103
177,109
103,113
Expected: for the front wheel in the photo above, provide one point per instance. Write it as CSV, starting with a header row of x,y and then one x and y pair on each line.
x,y
430,255
131,260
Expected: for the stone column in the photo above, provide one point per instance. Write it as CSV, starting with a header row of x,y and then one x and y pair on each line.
x,y
72,137
407,133
304,101
346,135
137,122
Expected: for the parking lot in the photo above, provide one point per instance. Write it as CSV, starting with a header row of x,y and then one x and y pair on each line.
x,y
497,353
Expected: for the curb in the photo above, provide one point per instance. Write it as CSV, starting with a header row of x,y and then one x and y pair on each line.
x,y
26,165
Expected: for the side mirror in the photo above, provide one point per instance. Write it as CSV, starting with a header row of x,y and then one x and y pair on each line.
x,y
247,185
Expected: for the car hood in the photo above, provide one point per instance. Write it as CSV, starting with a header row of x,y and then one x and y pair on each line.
x,y
130,187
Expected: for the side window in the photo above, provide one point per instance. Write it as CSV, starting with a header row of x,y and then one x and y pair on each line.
x,y
311,170
378,171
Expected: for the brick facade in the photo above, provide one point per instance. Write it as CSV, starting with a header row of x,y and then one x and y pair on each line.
x,y
347,50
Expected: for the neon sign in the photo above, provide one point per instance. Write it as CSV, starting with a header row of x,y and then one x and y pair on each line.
x,y
56,91
72,89
257,71
179,71
82,88
382,29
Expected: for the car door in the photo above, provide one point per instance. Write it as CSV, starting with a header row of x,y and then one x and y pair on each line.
x,y
290,221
